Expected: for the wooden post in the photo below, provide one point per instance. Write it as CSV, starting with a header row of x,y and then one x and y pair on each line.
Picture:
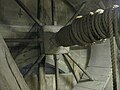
x,y
42,82
41,66
56,72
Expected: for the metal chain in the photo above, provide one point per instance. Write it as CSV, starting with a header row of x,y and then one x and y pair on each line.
x,y
112,50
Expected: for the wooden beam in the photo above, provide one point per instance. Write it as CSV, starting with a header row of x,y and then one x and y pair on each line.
x,y
56,72
69,4
76,13
22,40
41,76
20,3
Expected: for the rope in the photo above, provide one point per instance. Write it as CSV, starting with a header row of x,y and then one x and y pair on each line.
x,y
112,50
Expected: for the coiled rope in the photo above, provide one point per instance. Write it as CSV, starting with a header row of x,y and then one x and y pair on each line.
x,y
93,29
88,30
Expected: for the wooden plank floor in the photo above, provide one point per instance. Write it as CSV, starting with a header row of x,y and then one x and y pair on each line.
x,y
99,68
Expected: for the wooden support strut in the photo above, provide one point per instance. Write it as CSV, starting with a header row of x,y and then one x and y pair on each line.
x,y
76,13
84,71
69,4
19,2
70,67
32,67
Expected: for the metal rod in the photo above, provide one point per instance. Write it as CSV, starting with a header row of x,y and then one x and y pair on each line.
x,y
56,72
70,67
19,2
84,71
32,67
